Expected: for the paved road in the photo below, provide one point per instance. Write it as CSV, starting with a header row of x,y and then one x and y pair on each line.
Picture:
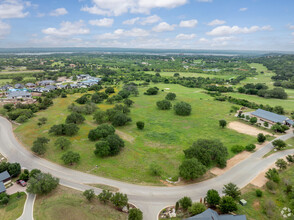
x,y
148,198
28,213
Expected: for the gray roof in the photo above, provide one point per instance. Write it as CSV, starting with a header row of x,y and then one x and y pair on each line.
x,y
210,214
30,84
2,187
4,175
19,94
270,116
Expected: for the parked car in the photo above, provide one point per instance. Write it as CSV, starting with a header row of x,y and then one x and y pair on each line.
x,y
21,182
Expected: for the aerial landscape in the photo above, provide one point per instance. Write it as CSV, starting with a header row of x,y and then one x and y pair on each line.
x,y
136,109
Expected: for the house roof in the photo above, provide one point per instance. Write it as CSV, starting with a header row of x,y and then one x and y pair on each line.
x,y
4,175
2,187
18,93
30,84
210,214
270,116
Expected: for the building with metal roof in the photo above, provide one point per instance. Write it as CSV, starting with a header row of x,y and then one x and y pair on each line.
x,y
210,214
271,117
19,95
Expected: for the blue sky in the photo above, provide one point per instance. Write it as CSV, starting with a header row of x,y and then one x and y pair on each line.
x,y
190,24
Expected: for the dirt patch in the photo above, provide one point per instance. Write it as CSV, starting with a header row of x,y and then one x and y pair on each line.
x,y
256,205
235,160
125,136
166,183
246,129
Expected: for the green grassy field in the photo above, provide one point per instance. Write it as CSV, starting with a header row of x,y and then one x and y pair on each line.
x,y
185,74
14,208
254,209
162,141
68,204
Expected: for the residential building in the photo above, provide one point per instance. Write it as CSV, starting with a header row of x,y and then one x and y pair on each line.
x,y
210,214
5,179
19,95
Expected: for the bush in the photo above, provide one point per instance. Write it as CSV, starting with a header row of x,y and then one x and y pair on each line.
x,y
22,119
75,118
261,138
155,169
196,208
170,96
227,204
258,193
237,149
182,108
151,91
71,157
102,131
120,119
281,164
115,144
250,147
105,196
89,194
212,197
185,202
135,214
253,120
109,90
140,125
270,185
191,169
273,174
164,105
279,144
119,200
222,123
102,149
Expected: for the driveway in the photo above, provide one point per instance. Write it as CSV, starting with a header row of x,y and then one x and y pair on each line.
x,y
15,188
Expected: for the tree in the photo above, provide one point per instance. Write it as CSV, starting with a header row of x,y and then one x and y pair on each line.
x,y
140,125
25,175
128,102
34,172
109,90
182,108
290,158
42,183
185,202
96,98
227,204
42,121
151,91
265,124
170,96
75,118
89,194
250,147
100,117
222,123
4,198
281,164
237,149
261,138
279,144
191,169
273,174
71,157
14,169
102,149
83,99
102,131
115,144
70,129
119,200
212,197
196,208
164,105
105,196
120,119
253,120
232,190
62,143
135,214
39,145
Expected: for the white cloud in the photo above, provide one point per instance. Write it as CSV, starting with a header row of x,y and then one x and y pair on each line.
x,y
105,22
227,30
13,9
293,33
40,15
204,0
119,7
163,26
4,29
68,29
203,40
243,9
290,26
150,20
185,36
119,33
131,21
188,23
216,22
58,12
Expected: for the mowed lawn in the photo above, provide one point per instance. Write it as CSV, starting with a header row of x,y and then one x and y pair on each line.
x,y
162,141
14,208
68,204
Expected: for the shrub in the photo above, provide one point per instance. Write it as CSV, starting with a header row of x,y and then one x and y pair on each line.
x,y
119,200
253,120
281,164
115,144
75,118
109,90
105,196
185,202
135,214
271,185
155,169
273,174
250,147
140,125
151,91
237,149
258,193
191,169
102,149
182,108
227,204
212,197
196,208
170,96
279,144
120,119
261,138
222,123
102,131
89,194
164,105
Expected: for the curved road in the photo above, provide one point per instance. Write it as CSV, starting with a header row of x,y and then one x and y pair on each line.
x,y
148,198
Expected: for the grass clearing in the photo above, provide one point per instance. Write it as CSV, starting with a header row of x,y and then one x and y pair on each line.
x,y
162,141
254,209
68,204
14,208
